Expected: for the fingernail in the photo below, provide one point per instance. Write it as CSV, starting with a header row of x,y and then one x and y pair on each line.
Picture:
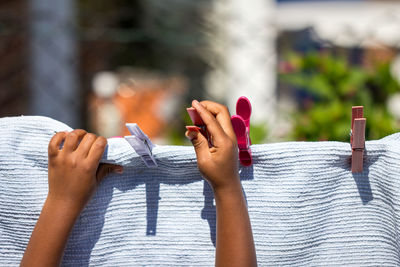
x,y
119,170
191,135
195,102
193,128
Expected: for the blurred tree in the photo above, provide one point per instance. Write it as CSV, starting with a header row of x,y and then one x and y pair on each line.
x,y
162,36
329,86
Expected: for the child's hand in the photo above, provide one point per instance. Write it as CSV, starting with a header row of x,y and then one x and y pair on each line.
x,y
74,174
218,164
74,171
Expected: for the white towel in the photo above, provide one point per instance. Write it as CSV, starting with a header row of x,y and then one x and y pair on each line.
x,y
306,207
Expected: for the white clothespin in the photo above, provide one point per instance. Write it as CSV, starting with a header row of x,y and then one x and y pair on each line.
x,y
141,144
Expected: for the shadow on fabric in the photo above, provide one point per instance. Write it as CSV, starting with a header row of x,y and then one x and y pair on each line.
x,y
89,225
362,179
209,211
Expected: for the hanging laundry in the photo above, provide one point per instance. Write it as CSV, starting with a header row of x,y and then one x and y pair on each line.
x,y
306,206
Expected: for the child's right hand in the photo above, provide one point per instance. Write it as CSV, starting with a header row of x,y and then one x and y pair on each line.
x,y
219,163
219,166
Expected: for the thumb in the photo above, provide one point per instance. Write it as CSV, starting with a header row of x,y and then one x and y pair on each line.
x,y
200,143
105,169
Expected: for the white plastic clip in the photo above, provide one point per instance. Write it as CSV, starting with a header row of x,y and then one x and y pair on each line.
x,y
141,144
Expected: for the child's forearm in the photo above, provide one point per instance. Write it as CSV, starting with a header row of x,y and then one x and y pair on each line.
x,y
74,173
235,246
48,239
219,166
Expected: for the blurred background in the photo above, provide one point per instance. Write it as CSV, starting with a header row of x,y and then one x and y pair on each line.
x,y
303,64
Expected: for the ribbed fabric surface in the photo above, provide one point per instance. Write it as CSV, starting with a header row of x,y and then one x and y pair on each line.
x,y
305,205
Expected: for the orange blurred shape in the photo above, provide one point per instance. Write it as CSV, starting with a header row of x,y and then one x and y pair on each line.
x,y
143,102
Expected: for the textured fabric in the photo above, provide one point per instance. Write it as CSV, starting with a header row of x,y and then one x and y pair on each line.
x,y
305,205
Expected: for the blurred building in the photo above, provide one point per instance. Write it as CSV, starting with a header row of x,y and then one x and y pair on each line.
x,y
344,23
243,55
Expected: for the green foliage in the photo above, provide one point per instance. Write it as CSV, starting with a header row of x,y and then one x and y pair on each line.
x,y
176,130
332,87
258,133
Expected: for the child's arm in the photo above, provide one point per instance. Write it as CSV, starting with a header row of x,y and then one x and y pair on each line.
x,y
219,166
74,174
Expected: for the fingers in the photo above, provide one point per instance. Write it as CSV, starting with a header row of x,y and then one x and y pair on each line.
x,y
89,145
72,140
105,169
200,143
222,115
97,149
212,124
86,144
55,142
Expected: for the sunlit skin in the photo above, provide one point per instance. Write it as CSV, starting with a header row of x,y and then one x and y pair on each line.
x,y
219,166
74,173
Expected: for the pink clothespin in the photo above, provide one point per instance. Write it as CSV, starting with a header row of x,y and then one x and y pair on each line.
x,y
199,124
241,126
357,138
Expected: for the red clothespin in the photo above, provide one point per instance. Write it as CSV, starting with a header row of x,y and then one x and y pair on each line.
x,y
199,124
241,126
357,138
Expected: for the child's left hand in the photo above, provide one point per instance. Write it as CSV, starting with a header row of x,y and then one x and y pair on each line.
x,y
74,174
